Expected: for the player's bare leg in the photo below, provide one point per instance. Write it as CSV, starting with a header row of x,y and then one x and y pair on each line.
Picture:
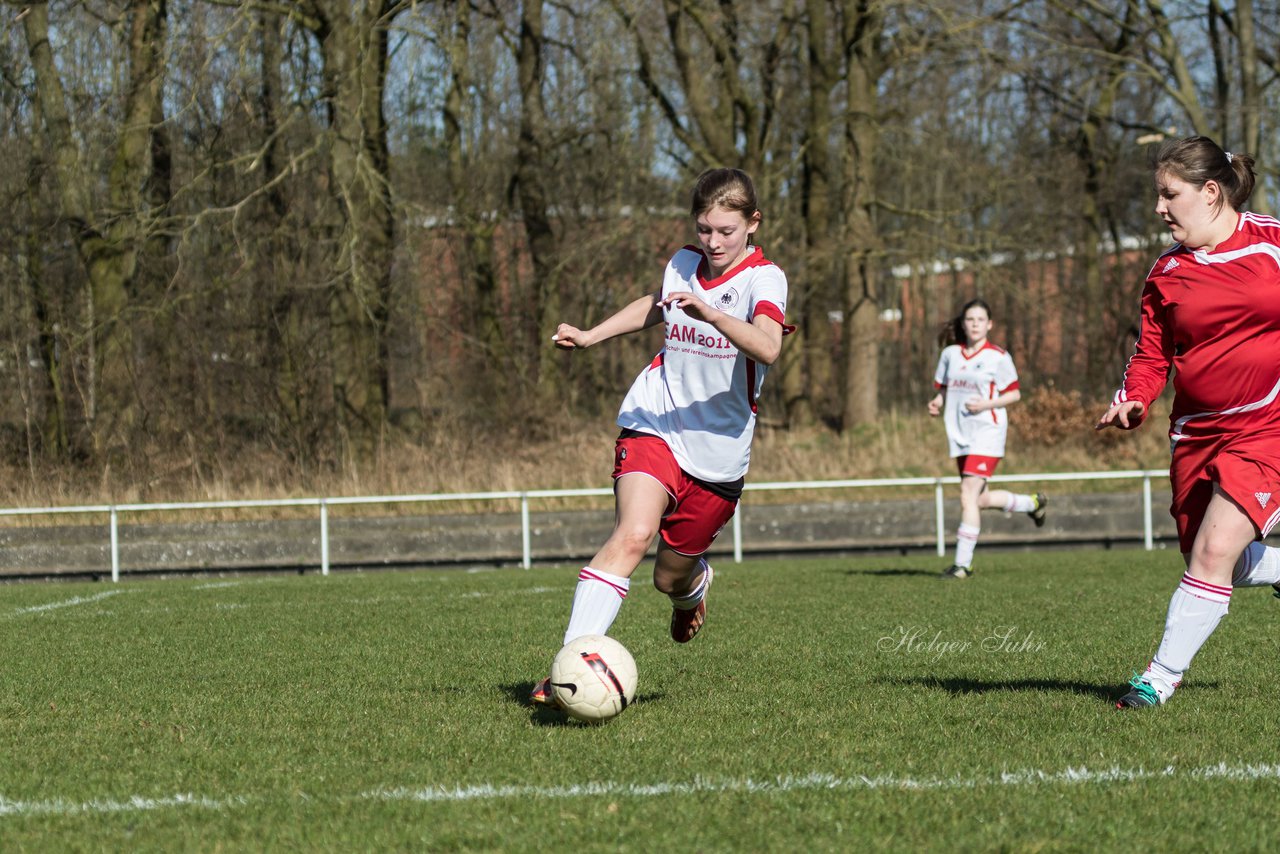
x,y
971,491
604,583
685,580
1015,502
1199,603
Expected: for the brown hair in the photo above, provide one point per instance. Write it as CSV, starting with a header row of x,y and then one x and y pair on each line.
x,y
730,189
1198,159
952,331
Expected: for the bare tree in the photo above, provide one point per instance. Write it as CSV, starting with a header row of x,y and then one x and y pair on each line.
x,y
108,234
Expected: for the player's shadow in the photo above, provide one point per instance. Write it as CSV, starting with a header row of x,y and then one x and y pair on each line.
x,y
1110,691
888,572
518,693
961,685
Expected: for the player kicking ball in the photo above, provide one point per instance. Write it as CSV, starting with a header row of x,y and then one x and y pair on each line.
x,y
688,420
976,383
1210,311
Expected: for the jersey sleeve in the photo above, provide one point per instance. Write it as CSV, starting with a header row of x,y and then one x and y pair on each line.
x,y
940,374
769,294
1148,369
1006,374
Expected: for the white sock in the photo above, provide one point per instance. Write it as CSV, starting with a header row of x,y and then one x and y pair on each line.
x,y
596,601
690,600
1020,503
1194,612
1258,566
966,542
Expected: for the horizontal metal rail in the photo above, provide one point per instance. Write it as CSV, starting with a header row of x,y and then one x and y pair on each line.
x,y
114,511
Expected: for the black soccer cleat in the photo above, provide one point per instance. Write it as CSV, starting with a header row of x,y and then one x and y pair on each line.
x,y
1037,515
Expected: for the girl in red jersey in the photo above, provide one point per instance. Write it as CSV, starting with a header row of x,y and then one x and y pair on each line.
x,y
976,381
1210,311
688,420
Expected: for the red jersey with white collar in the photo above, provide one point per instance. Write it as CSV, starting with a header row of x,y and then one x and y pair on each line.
x,y
1215,318
699,393
988,372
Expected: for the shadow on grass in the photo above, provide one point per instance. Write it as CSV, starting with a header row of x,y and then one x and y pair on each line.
x,y
518,693
1110,691
897,570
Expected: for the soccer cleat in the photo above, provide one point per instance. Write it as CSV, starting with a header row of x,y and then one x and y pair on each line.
x,y
1037,515
685,622
957,572
1140,696
543,694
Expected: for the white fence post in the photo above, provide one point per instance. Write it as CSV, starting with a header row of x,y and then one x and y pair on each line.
x,y
1147,539
737,533
115,545
324,537
526,540
940,517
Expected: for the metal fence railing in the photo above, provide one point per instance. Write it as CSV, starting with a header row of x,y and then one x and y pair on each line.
x,y
527,497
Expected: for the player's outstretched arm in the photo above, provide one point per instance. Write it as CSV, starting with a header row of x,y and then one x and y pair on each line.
x,y
1126,415
639,314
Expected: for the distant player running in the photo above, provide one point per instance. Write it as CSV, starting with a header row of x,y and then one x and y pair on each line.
x,y
688,420
976,381
1211,311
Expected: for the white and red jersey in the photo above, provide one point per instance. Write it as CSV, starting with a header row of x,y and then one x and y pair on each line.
x,y
1214,317
988,373
699,393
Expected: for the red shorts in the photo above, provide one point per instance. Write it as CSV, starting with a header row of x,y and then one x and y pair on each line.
x,y
1246,467
976,465
695,514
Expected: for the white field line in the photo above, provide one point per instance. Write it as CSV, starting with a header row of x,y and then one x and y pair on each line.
x,y
699,785
97,807
482,594
67,603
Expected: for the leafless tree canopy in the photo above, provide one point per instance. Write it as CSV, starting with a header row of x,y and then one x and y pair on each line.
x,y
302,226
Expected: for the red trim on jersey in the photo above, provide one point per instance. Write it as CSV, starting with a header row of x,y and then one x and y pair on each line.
x,y
770,310
986,345
657,361
1013,386
754,259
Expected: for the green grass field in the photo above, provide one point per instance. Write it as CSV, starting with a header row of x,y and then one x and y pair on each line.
x,y
829,704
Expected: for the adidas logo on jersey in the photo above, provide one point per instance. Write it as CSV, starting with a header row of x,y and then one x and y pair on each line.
x,y
1169,265
1263,498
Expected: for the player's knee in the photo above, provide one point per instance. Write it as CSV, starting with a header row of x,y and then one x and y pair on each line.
x,y
1215,556
634,539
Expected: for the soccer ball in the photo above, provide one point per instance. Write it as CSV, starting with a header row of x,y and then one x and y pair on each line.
x,y
594,678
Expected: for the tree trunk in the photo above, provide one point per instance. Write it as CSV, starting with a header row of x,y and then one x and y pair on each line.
x,y
108,241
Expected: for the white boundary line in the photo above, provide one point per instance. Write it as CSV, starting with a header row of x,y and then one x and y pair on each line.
x,y
699,785
67,603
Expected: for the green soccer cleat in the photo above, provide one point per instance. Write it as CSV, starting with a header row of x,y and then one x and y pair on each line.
x,y
957,572
1037,515
1140,696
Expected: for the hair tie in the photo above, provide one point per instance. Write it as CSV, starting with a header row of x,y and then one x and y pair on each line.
x,y
1228,156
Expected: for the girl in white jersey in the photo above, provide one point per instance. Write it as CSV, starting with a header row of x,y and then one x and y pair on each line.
x,y
688,420
976,380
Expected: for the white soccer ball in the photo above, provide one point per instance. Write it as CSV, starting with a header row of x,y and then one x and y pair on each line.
x,y
594,678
